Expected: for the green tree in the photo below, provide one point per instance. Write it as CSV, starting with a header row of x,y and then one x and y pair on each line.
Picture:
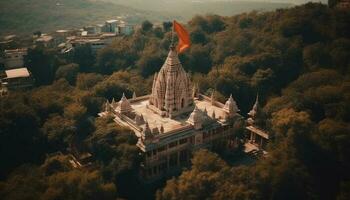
x,y
146,26
68,72
78,184
42,63
86,81
167,26
84,57
20,138
59,131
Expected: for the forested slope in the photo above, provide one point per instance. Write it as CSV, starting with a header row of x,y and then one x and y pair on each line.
x,y
297,59
23,17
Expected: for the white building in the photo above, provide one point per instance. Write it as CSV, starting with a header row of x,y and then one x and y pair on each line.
x,y
46,41
14,58
90,30
96,42
111,26
15,79
125,29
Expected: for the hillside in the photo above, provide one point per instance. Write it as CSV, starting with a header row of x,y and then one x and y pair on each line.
x,y
26,16
296,59
186,9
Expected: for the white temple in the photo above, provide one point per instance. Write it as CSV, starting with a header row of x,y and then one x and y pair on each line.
x,y
174,120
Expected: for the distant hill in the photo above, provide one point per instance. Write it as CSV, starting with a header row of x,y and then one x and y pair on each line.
x,y
27,16
186,9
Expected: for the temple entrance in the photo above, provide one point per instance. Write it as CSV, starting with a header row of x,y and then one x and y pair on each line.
x,y
182,103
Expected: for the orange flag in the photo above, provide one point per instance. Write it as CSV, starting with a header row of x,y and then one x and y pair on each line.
x,y
184,37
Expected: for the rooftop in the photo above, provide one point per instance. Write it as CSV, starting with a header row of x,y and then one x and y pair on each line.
x,y
16,73
44,38
156,121
9,37
258,131
23,50
62,31
112,21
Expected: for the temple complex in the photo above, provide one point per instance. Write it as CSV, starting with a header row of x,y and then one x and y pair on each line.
x,y
174,120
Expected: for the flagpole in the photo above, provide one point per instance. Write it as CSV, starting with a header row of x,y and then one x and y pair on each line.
x,y
172,35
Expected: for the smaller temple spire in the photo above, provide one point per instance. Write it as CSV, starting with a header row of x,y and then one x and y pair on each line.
x,y
213,114
256,100
134,95
107,106
113,104
161,129
231,106
142,119
196,118
252,113
212,99
146,132
124,105
139,119
194,91
147,129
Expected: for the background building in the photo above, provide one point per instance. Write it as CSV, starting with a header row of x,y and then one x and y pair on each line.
x,y
16,79
14,58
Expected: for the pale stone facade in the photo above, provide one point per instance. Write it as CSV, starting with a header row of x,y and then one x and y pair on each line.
x,y
174,120
171,90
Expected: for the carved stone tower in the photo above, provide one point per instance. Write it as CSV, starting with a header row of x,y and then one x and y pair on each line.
x,y
171,90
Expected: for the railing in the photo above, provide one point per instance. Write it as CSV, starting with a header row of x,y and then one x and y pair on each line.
x,y
216,103
140,98
129,121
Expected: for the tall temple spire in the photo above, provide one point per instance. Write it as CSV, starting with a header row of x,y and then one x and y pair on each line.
x,y
252,113
212,98
171,89
124,105
257,116
107,106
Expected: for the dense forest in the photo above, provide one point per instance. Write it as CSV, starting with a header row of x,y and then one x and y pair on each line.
x,y
297,59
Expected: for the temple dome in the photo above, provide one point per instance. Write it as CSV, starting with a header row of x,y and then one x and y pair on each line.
x,y
196,118
124,105
231,106
171,90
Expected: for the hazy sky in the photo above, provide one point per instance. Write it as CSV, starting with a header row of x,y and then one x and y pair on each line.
x,y
290,1
303,1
